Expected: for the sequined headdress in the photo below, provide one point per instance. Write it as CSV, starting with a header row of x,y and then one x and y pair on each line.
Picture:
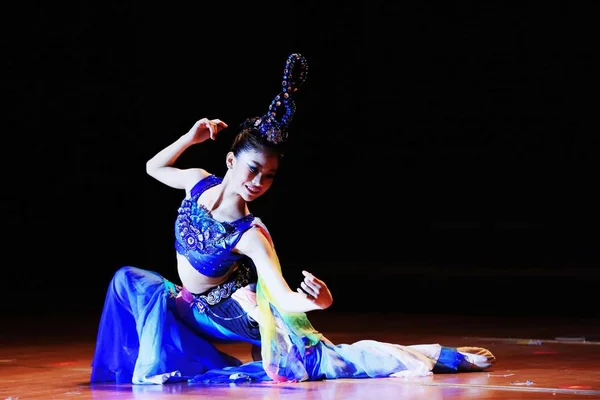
x,y
274,124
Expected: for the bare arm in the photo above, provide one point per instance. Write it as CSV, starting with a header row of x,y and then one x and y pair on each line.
x,y
314,294
161,166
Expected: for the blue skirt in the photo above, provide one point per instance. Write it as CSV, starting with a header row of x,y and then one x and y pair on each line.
x,y
150,334
146,335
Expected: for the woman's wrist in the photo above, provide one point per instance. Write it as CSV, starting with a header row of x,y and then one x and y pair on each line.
x,y
186,140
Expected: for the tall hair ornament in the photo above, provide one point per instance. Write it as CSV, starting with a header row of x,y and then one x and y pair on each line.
x,y
274,124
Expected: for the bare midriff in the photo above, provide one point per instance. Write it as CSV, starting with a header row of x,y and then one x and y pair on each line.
x,y
194,281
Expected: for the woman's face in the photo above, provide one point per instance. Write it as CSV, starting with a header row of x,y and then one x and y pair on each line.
x,y
253,173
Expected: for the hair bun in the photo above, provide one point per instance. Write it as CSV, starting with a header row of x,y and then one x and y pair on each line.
x,y
274,124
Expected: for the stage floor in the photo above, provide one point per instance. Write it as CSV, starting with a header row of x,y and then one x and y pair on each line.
x,y
537,358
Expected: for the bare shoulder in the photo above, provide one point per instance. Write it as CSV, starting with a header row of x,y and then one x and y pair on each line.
x,y
254,240
191,176
259,223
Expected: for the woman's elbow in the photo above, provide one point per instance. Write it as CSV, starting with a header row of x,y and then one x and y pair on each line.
x,y
151,168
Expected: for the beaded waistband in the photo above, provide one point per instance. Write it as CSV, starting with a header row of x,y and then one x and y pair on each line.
x,y
239,279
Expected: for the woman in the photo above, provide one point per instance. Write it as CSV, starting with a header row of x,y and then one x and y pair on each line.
x,y
154,331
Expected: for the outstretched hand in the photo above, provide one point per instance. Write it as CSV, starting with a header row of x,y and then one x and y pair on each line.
x,y
315,290
205,129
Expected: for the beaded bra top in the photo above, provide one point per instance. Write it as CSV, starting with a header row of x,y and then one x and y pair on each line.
x,y
205,242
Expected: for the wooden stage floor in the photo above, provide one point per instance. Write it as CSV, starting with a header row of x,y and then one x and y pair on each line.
x,y
537,358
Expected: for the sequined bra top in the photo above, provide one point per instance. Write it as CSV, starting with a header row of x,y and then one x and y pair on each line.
x,y
205,242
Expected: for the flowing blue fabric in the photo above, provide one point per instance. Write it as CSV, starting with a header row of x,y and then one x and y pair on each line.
x,y
144,338
153,331
147,336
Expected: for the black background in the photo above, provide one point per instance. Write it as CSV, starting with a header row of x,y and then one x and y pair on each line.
x,y
442,156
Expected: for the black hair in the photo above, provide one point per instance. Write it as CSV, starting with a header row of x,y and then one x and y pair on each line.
x,y
250,138
269,133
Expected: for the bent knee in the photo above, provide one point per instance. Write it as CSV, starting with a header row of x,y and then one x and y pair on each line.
x,y
130,279
125,275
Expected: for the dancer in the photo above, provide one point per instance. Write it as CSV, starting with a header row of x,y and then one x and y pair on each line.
x,y
154,331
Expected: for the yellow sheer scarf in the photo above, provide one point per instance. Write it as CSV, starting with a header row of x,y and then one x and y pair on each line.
x,y
284,335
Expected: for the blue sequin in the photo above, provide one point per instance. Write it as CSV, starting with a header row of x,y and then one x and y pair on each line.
x,y
205,242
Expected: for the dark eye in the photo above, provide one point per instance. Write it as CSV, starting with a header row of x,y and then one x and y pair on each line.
x,y
254,170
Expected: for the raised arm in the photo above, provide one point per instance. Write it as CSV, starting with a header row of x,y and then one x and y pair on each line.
x,y
314,294
161,166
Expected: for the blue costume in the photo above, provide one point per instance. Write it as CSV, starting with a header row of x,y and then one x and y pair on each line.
x,y
153,331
